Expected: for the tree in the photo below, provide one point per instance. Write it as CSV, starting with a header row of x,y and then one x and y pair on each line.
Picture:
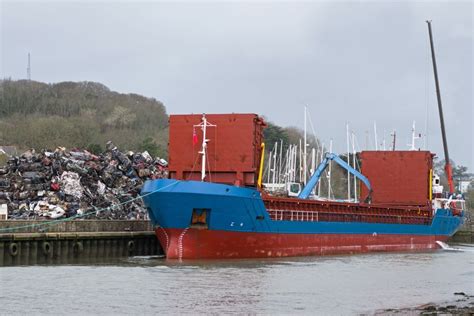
x,y
78,114
148,144
459,172
469,196
274,133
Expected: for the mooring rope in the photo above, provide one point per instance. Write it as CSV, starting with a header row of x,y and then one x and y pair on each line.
x,y
67,219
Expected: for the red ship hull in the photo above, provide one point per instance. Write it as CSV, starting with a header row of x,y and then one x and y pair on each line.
x,y
194,243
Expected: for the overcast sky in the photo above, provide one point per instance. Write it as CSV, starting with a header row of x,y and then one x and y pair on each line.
x,y
346,61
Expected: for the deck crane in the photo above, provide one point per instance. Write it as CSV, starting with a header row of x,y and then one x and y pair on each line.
x,y
447,167
328,157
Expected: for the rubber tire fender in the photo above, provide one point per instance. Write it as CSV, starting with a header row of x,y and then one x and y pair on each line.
x,y
77,247
13,249
47,248
130,245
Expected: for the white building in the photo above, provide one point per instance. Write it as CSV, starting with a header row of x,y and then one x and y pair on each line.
x,y
463,185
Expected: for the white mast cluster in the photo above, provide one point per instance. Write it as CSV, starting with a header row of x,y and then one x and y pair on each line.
x,y
293,166
282,169
351,144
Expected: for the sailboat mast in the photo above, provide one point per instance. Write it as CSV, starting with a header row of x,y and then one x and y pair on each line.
x,y
275,148
375,136
349,163
394,139
330,171
447,167
301,163
321,159
305,167
281,159
354,165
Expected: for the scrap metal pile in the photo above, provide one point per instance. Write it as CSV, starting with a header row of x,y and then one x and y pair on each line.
x,y
77,183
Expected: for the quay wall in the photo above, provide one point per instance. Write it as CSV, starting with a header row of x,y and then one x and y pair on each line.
x,y
465,234
75,242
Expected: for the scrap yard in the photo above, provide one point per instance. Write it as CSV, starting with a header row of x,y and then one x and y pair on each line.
x,y
69,206
76,183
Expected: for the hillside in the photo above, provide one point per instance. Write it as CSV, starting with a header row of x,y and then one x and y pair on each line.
x,y
88,114
79,114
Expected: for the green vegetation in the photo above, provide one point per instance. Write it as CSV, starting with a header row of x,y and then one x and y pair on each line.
x,y
459,172
79,114
289,135
151,146
88,114
470,200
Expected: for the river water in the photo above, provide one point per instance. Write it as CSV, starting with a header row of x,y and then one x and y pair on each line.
x,y
336,285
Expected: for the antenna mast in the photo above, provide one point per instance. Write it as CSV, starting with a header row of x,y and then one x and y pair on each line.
x,y
447,167
204,125
28,69
414,137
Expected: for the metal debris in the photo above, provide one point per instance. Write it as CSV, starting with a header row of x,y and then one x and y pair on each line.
x,y
60,183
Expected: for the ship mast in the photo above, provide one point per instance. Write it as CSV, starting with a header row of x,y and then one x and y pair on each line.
x,y
447,167
414,137
204,125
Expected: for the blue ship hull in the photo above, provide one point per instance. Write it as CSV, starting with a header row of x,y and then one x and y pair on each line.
x,y
208,220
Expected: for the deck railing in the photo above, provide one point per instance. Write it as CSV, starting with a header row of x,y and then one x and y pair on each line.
x,y
317,216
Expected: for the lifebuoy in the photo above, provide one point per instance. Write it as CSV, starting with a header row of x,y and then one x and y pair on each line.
x,y
13,248
130,245
47,248
77,247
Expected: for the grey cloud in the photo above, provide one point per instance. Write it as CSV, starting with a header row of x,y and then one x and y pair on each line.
x,y
348,61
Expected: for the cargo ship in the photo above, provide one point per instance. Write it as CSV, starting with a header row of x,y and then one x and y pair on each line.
x,y
224,213
214,204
